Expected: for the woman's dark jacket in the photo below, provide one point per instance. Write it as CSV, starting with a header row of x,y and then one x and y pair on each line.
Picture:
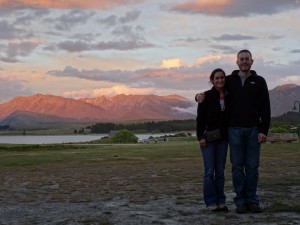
x,y
210,116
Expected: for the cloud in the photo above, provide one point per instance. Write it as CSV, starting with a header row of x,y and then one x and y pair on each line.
x,y
22,48
125,37
192,109
9,88
235,8
127,31
234,37
9,60
74,46
173,74
171,63
177,77
113,20
123,45
295,51
80,46
72,18
277,73
224,48
110,91
130,16
276,37
14,49
208,59
186,41
66,4
25,17
109,21
290,80
8,31
97,75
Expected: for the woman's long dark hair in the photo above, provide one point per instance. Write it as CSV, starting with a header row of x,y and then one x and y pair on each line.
x,y
212,75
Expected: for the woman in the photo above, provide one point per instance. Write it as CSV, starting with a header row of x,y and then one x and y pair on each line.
x,y
212,118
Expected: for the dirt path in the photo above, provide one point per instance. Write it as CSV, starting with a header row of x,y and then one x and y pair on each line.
x,y
123,193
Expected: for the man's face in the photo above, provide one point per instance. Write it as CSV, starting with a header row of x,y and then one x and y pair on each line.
x,y
244,61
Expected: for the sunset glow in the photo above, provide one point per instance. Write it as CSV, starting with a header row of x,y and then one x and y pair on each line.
x,y
77,49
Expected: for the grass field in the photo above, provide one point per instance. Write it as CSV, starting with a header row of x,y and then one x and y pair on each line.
x,y
135,184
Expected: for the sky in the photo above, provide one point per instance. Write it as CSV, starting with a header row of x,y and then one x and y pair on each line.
x,y
76,48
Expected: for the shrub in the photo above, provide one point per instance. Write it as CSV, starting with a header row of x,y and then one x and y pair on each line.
x,y
124,136
279,130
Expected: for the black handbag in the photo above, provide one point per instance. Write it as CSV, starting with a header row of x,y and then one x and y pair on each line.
x,y
213,135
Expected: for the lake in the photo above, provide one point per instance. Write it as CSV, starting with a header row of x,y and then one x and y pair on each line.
x,y
59,139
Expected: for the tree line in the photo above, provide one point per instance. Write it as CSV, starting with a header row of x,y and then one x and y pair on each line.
x,y
288,119
151,127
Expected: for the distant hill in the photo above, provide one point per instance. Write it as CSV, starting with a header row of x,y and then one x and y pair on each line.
x,y
44,109
25,118
282,99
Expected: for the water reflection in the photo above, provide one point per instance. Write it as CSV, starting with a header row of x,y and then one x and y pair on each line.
x,y
59,139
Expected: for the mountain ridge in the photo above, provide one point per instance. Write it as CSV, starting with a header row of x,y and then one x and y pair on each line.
x,y
118,108
46,108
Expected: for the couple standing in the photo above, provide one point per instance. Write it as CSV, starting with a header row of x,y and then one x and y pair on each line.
x,y
238,107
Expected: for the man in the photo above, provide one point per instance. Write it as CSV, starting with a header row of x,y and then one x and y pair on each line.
x,y
248,127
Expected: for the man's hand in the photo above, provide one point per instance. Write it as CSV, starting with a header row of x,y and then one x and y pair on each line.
x,y
262,138
202,143
200,97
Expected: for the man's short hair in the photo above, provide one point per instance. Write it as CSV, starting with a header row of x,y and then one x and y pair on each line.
x,y
244,50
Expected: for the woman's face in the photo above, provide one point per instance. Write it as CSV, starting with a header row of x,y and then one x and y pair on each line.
x,y
219,80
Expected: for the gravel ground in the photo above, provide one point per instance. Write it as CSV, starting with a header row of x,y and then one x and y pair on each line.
x,y
124,193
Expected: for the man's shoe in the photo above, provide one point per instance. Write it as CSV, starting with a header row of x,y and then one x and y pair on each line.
x,y
241,209
222,208
254,208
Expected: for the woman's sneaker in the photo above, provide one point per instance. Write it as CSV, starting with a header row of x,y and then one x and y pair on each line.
x,y
213,208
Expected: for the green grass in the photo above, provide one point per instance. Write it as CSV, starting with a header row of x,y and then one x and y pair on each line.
x,y
30,155
273,156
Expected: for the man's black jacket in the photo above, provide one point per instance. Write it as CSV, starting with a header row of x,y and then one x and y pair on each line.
x,y
249,104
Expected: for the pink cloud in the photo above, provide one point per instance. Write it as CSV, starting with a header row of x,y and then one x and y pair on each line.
x,y
202,6
91,4
109,91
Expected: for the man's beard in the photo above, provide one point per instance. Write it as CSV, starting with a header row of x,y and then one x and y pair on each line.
x,y
245,68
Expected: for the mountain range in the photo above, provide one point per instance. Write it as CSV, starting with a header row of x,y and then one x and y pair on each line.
x,y
46,109
49,109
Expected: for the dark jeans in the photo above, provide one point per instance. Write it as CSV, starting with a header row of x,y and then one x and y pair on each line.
x,y
244,155
214,158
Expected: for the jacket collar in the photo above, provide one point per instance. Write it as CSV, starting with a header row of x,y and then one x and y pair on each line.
x,y
236,73
217,92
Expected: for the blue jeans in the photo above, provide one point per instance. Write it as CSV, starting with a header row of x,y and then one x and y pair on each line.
x,y
244,156
214,158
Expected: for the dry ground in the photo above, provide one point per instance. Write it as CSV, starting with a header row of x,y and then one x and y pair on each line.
x,y
139,191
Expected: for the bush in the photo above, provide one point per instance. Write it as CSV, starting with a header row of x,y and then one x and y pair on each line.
x,y
124,136
279,130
